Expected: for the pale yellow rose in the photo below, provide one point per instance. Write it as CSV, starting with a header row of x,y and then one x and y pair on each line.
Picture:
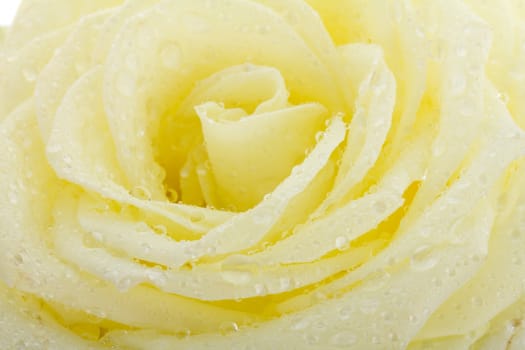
x,y
263,174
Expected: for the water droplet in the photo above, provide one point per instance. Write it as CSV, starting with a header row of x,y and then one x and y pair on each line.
x,y
345,313
461,51
264,217
300,324
158,277
201,171
291,17
393,337
160,229
196,24
183,333
343,339
98,236
423,258
380,207
29,74
516,260
341,243
285,283
229,327
171,56
311,338
184,173
387,316
425,232
124,284
319,325
54,148
141,192
368,306
263,29
172,195
126,83
458,83
236,277
27,143
260,289
13,197
67,160
18,258
197,217
146,248
376,280
483,178
477,300
438,149
319,136
131,62
504,97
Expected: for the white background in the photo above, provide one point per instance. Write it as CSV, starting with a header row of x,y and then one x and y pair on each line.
x,y
8,11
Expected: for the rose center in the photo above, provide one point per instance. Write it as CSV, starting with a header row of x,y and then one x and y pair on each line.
x,y
236,137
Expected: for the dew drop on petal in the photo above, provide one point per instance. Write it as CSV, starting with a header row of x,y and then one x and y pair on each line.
x,y
343,339
376,280
98,236
131,62
172,195
124,284
368,306
423,259
311,338
29,74
285,282
228,327
341,243
461,51
157,277
54,148
319,136
380,207
260,289
503,97
67,160
438,149
345,313
146,248
263,29
160,229
458,84
197,217
141,192
236,277
126,84
196,24
13,197
171,55
476,300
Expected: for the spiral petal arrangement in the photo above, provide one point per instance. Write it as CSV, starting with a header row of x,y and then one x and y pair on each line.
x,y
254,174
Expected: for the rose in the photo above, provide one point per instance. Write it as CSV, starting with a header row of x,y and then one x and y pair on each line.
x,y
262,174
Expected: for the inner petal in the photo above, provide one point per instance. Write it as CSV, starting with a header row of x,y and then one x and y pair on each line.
x,y
252,135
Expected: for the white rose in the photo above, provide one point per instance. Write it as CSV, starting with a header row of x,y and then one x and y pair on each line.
x,y
270,174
